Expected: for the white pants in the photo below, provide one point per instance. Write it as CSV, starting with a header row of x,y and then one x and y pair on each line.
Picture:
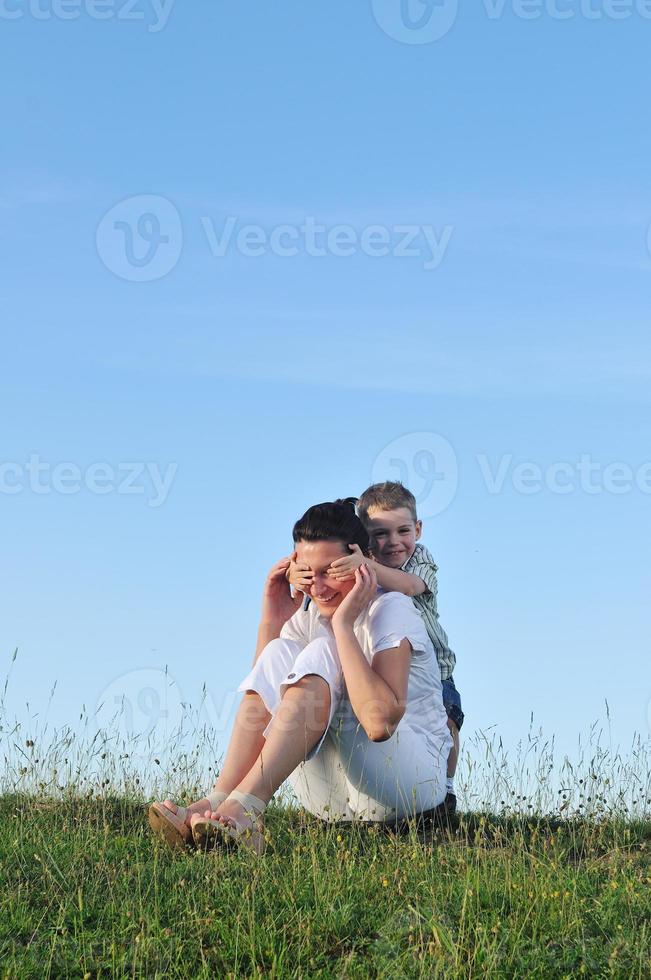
x,y
346,776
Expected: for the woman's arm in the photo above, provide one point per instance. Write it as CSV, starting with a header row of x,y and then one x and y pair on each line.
x,y
266,633
278,605
377,693
376,701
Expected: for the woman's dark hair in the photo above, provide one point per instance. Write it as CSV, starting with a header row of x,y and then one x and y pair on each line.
x,y
335,521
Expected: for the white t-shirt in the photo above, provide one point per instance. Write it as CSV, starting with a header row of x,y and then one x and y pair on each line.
x,y
390,618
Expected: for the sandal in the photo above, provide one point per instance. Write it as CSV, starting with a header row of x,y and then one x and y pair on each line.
x,y
208,833
172,826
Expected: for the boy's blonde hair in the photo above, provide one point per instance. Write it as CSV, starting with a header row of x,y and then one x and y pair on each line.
x,y
386,496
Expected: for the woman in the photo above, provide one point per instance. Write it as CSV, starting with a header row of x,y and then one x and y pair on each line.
x,y
344,700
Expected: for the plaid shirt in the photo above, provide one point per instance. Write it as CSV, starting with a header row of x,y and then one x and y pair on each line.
x,y
422,564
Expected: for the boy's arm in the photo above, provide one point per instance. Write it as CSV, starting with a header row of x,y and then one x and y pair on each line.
x,y
391,579
395,580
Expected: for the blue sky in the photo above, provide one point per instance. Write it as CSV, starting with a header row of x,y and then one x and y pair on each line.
x,y
264,383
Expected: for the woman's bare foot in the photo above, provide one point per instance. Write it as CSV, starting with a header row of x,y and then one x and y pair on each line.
x,y
232,814
198,807
239,825
174,823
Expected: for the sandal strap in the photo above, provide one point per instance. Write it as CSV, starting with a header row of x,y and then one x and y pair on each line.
x,y
216,798
181,811
250,803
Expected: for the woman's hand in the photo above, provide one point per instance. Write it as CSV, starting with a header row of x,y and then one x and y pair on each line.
x,y
277,603
344,568
363,592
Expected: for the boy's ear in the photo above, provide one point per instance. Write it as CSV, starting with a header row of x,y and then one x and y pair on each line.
x,y
419,530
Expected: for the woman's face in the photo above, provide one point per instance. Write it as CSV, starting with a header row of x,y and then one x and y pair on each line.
x,y
325,590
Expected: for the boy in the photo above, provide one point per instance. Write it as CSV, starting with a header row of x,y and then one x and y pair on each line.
x,y
388,511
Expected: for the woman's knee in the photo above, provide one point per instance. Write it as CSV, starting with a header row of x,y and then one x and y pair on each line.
x,y
323,647
314,691
264,678
319,658
275,660
279,649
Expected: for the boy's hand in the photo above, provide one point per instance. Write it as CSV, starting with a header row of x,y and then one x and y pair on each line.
x,y
299,575
344,568
363,592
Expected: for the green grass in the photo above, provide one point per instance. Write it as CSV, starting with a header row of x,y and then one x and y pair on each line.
x,y
553,881
85,891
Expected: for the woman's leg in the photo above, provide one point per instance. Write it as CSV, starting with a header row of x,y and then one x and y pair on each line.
x,y
247,741
297,727
252,719
321,787
300,690
404,775
243,749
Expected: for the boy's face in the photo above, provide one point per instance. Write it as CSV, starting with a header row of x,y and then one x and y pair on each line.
x,y
326,591
393,534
